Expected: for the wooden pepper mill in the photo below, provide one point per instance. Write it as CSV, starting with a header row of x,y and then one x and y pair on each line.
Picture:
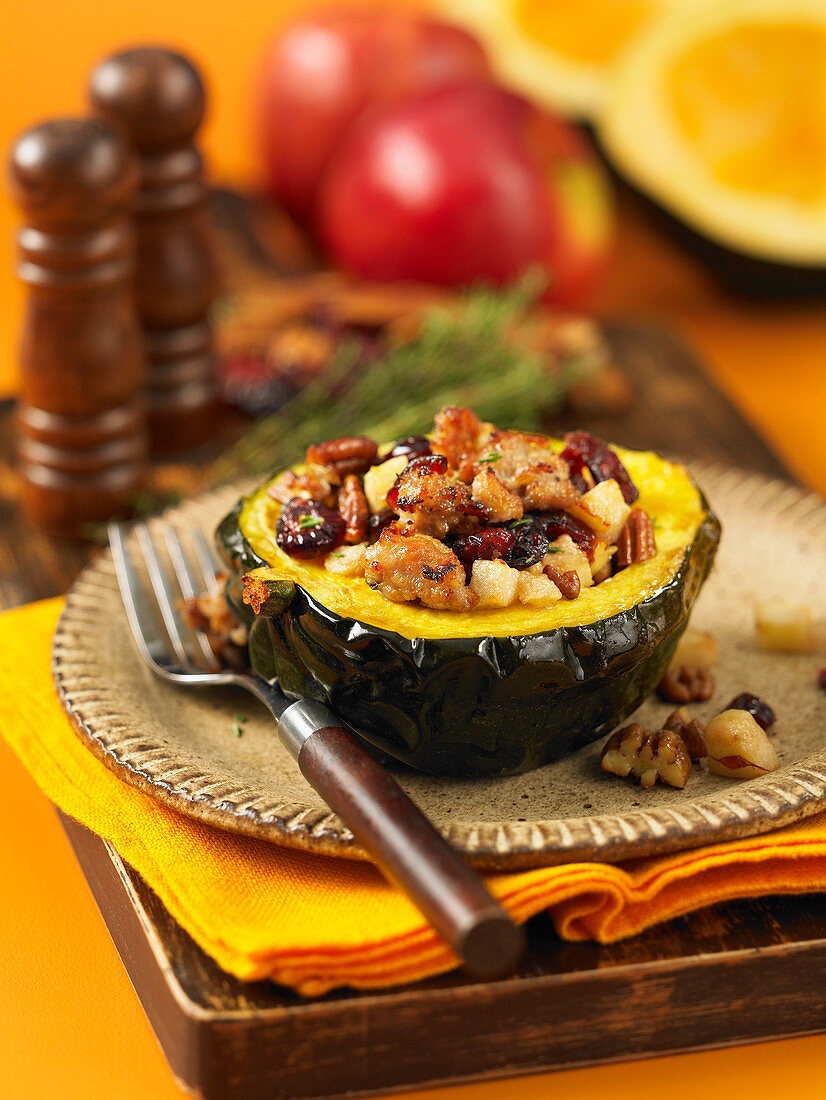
x,y
82,442
157,98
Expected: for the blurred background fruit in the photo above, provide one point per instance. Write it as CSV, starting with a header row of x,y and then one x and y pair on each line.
x,y
557,51
466,184
323,69
719,115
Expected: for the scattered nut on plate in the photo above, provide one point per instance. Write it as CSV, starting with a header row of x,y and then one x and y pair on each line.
x,y
648,755
686,684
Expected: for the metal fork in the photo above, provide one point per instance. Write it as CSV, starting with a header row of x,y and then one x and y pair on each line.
x,y
388,825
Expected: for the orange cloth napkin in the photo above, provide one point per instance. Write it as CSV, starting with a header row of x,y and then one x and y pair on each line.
x,y
315,923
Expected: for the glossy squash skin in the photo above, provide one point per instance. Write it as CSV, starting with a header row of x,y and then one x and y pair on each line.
x,y
473,706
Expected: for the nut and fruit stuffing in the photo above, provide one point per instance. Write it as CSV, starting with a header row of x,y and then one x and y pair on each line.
x,y
467,517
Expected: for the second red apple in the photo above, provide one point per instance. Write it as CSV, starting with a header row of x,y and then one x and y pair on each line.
x,y
465,184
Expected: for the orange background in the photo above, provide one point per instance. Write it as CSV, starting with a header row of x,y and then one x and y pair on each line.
x,y
71,1025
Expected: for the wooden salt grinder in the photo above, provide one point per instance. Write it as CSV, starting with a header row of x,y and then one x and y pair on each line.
x,y
82,443
157,98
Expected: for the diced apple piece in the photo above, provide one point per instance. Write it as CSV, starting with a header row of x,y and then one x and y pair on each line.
x,y
696,649
603,509
379,480
347,561
494,582
785,627
564,554
737,747
536,590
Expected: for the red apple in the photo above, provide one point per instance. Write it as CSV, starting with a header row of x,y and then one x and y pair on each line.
x,y
322,70
467,183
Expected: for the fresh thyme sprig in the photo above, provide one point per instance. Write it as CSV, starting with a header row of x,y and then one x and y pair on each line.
x,y
464,356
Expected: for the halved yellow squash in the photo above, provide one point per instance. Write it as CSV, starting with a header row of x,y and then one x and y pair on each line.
x,y
556,51
719,115
484,692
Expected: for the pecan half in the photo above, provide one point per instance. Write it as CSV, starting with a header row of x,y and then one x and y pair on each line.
x,y
567,582
690,730
686,685
352,507
634,750
636,540
348,455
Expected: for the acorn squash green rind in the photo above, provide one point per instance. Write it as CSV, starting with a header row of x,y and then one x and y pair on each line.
x,y
475,706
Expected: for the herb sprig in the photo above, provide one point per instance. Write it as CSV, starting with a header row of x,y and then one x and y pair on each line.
x,y
464,356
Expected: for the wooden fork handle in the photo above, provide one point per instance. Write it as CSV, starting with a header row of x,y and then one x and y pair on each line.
x,y
402,841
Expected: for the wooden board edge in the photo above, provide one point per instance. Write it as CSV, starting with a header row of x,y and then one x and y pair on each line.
x,y
478,1032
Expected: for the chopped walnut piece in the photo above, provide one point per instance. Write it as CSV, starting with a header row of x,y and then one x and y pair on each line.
x,y
690,730
405,565
568,582
636,542
737,747
458,434
637,751
500,504
432,501
348,455
686,685
352,507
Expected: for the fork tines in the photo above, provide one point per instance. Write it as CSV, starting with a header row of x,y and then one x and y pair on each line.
x,y
175,575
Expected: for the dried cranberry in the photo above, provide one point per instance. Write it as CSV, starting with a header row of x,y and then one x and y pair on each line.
x,y
530,544
560,523
487,544
761,712
428,464
414,445
378,522
308,530
583,449
425,464
821,678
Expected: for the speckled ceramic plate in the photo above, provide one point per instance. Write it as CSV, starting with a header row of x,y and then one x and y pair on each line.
x,y
178,745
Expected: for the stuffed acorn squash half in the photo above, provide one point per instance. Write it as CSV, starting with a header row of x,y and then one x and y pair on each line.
x,y
477,602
